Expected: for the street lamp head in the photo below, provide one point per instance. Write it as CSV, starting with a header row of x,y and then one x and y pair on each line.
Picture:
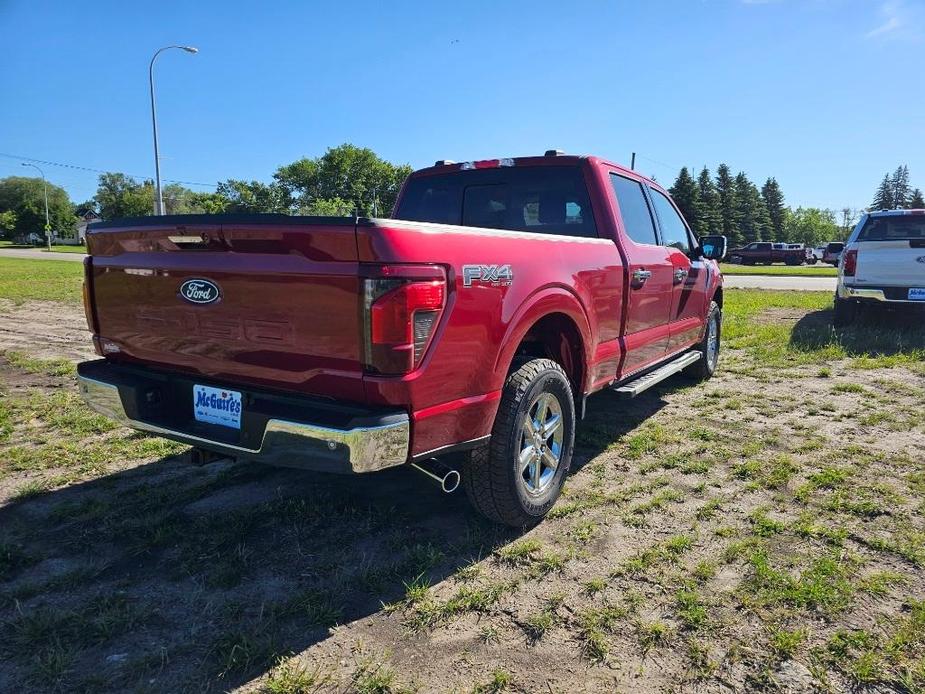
x,y
190,49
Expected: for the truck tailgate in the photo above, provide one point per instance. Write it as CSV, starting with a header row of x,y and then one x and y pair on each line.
x,y
282,310
891,263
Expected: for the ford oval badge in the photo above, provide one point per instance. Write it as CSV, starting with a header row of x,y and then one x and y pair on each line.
x,y
200,291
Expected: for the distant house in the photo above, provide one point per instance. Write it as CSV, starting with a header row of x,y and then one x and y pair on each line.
x,y
85,217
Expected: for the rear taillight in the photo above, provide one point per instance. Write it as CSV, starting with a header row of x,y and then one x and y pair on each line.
x,y
401,316
850,263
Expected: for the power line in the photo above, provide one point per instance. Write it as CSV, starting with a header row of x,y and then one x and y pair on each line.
x,y
101,171
660,163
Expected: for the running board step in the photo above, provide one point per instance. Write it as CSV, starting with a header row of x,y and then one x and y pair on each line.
x,y
635,387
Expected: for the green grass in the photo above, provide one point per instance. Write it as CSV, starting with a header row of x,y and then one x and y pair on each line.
x,y
49,367
60,248
26,280
56,248
786,270
775,344
291,676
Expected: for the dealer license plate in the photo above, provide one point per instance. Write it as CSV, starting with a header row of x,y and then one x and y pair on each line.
x,y
917,294
217,406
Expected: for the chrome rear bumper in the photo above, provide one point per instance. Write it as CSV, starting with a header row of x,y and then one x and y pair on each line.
x,y
284,443
846,291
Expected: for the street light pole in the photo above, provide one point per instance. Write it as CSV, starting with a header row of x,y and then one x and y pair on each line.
x,y
158,197
45,185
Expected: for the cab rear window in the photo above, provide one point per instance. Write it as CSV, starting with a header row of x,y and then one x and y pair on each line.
x,y
893,228
542,199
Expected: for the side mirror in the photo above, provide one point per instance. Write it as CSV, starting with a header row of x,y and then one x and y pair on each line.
x,y
713,247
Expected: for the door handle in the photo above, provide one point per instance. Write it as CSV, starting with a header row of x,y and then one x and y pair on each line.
x,y
680,275
640,276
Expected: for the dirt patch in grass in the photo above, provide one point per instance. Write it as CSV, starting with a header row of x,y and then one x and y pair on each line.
x,y
763,530
780,314
45,329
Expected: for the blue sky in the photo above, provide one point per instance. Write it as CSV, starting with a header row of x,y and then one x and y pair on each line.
x,y
825,95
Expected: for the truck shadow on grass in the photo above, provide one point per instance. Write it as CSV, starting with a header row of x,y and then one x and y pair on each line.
x,y
169,576
172,577
880,334
608,418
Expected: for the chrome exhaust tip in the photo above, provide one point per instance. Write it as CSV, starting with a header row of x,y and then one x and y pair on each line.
x,y
447,477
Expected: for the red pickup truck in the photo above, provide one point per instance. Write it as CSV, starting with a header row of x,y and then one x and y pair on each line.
x,y
475,322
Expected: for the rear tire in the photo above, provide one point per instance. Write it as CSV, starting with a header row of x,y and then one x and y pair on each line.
x,y
846,312
512,480
705,367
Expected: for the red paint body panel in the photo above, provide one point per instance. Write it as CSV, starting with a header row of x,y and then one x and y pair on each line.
x,y
291,315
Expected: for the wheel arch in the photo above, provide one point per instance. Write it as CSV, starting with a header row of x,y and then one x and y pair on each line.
x,y
554,326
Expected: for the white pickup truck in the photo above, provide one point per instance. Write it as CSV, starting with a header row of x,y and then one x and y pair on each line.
x,y
883,264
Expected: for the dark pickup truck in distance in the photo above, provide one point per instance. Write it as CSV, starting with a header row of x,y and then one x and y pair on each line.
x,y
767,253
466,331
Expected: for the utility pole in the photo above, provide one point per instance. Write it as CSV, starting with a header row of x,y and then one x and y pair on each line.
x,y
47,220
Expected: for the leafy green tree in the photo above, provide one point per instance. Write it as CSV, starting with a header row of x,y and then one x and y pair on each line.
x,y
774,203
728,207
350,173
7,223
118,195
254,197
811,226
883,198
916,202
329,207
709,219
25,198
207,203
178,199
900,185
686,196
848,218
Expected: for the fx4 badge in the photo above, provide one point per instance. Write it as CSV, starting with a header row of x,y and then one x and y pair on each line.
x,y
495,275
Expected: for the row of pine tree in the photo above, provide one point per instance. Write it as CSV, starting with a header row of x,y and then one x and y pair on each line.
x,y
896,193
731,205
736,207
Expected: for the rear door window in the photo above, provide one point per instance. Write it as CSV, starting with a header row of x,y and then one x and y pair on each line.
x,y
637,218
542,199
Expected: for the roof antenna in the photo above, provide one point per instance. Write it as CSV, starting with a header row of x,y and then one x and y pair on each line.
x,y
633,161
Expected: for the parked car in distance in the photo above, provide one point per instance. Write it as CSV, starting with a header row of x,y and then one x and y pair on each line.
x,y
883,265
767,253
470,328
833,252
810,257
819,252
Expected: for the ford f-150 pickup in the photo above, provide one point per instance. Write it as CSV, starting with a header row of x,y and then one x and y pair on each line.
x,y
769,253
883,265
470,327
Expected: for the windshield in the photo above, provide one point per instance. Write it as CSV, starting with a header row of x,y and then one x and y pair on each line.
x,y
894,228
542,199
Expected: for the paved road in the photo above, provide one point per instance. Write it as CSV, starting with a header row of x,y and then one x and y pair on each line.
x,y
40,255
803,284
